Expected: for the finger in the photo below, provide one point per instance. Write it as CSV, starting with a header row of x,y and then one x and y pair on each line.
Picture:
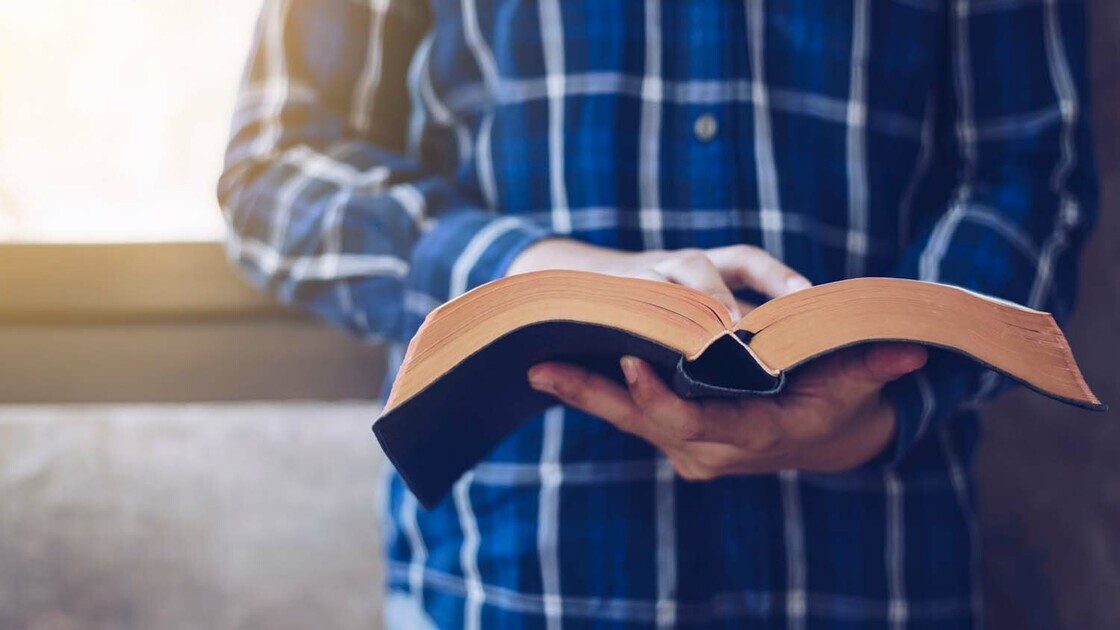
x,y
885,362
745,307
696,270
706,422
669,414
749,267
650,274
589,392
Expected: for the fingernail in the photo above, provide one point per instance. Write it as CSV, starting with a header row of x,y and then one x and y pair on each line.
x,y
542,383
630,369
797,283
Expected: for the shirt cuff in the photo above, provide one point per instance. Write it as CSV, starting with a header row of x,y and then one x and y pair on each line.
x,y
932,396
462,249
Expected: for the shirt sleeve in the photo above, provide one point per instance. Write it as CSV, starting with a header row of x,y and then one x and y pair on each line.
x,y
328,207
1014,125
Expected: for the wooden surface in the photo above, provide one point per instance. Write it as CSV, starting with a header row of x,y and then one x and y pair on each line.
x,y
160,323
212,360
43,283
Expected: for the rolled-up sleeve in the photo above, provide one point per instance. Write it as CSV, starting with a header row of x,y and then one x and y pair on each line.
x,y
328,209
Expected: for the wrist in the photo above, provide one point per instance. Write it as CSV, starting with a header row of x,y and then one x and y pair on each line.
x,y
882,433
886,431
561,253
535,256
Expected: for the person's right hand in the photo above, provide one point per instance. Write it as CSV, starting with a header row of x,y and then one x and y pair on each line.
x,y
717,271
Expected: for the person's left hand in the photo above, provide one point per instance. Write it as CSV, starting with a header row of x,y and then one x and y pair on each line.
x,y
830,417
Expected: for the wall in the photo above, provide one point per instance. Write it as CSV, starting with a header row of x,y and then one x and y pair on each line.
x,y
174,517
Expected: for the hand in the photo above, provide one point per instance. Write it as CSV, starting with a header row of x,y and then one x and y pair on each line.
x,y
830,417
717,271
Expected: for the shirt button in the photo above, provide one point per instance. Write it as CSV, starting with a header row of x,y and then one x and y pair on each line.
x,y
705,127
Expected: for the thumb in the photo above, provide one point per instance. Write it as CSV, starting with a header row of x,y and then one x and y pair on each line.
x,y
861,370
884,362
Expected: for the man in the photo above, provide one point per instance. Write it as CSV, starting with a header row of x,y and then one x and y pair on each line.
x,y
389,156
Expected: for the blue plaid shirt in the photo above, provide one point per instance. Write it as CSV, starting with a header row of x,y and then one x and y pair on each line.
x,y
387,155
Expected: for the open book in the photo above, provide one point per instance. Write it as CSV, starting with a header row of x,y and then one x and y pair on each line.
x,y
462,386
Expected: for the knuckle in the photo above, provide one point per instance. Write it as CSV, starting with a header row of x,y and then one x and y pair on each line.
x,y
564,388
572,397
689,470
723,294
693,257
628,422
702,473
644,396
766,438
815,426
711,462
574,389
773,268
683,470
687,427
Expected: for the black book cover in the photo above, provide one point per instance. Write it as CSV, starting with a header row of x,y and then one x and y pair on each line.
x,y
439,434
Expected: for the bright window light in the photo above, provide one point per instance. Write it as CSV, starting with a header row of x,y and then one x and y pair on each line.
x,y
114,115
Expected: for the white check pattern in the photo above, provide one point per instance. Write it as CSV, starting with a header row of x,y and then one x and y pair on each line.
x,y
387,156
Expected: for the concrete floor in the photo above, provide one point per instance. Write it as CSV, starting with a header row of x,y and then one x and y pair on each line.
x,y
260,516
183,517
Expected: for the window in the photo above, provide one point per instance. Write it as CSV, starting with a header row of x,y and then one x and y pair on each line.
x,y
113,285
113,117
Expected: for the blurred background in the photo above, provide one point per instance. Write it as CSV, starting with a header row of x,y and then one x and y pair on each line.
x,y
177,451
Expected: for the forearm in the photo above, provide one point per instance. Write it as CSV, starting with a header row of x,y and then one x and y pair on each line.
x,y
565,253
358,258
326,211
